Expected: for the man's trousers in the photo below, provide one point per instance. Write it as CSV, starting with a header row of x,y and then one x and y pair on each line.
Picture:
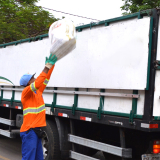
x,y
31,146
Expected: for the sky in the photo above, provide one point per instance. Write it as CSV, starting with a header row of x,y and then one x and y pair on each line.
x,y
95,9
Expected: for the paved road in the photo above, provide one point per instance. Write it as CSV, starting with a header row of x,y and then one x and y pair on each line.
x,y
10,149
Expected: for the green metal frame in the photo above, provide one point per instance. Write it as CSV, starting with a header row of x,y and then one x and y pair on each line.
x,y
9,100
158,68
150,52
1,97
156,118
157,65
158,62
101,105
139,15
13,95
100,111
40,37
85,110
54,100
75,102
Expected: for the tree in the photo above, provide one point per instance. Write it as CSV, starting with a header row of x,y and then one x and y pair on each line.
x,y
132,6
20,19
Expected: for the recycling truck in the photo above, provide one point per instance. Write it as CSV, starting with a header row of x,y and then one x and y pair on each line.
x,y
103,96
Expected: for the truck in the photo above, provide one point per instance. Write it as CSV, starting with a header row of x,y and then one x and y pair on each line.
x,y
103,96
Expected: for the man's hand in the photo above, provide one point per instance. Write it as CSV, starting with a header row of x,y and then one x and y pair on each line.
x,y
50,61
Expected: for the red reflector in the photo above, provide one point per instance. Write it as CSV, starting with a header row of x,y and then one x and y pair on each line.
x,y
156,142
156,151
60,114
16,107
153,126
4,105
82,118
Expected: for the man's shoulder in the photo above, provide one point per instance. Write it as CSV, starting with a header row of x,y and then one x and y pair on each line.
x,y
26,91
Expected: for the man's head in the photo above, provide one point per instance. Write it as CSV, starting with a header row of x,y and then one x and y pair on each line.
x,y
27,79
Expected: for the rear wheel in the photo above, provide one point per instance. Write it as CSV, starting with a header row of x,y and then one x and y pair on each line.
x,y
50,142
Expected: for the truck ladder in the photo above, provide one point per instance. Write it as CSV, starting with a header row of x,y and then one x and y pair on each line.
x,y
118,151
8,133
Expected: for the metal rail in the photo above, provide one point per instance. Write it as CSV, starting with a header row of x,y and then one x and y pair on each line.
x,y
7,133
122,152
7,122
11,89
83,93
79,156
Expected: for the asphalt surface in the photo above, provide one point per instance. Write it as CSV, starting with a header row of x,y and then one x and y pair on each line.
x,y
10,149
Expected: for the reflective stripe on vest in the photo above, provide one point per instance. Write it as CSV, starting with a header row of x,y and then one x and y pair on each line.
x,y
34,110
33,88
46,82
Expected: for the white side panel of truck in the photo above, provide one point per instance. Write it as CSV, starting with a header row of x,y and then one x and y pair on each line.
x,y
156,105
123,105
111,57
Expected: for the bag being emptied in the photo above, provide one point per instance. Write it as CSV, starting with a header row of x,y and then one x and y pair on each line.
x,y
62,35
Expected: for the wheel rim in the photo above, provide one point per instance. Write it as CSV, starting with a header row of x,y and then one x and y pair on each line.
x,y
45,147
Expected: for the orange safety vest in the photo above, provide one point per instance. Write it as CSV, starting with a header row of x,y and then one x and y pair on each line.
x,y
34,114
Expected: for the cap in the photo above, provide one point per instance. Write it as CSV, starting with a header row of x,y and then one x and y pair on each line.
x,y
25,79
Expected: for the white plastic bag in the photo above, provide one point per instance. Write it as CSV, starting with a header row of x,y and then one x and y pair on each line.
x,y
62,35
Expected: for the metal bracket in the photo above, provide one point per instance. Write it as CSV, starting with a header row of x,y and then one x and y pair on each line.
x,y
157,65
1,97
99,112
54,100
73,109
106,24
139,15
131,116
75,102
148,12
52,107
80,30
100,109
134,108
13,95
91,25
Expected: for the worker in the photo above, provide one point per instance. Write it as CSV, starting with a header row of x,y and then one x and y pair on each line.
x,y
34,116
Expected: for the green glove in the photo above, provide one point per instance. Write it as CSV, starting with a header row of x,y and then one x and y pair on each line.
x,y
50,61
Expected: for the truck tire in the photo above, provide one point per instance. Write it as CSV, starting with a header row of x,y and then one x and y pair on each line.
x,y
50,143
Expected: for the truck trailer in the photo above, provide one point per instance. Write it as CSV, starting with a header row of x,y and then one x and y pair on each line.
x,y
103,96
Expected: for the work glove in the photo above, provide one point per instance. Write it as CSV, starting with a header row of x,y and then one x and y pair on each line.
x,y
50,61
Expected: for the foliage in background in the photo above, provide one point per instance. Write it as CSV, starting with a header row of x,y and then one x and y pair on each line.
x,y
132,6
20,19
